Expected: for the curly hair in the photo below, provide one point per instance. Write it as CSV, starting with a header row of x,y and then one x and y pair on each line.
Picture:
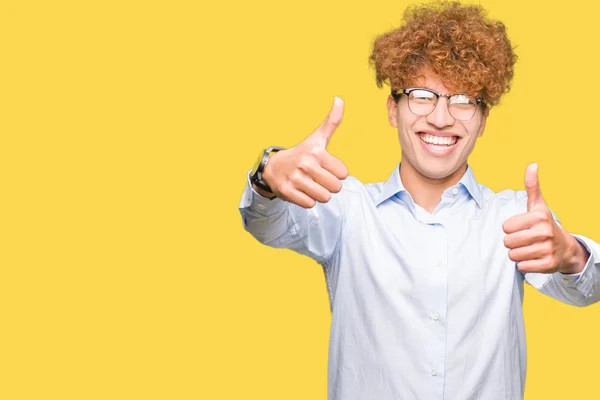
x,y
458,43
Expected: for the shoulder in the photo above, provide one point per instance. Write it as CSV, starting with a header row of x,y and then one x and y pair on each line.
x,y
353,187
508,201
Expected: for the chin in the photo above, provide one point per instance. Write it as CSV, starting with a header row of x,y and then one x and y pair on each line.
x,y
437,173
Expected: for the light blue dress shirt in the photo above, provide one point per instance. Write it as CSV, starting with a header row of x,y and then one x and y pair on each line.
x,y
424,306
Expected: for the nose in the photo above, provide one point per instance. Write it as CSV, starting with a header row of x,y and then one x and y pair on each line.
x,y
440,116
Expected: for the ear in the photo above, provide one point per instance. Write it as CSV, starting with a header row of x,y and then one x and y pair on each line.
x,y
392,111
484,117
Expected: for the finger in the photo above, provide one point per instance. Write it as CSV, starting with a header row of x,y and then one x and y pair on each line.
x,y
325,178
313,190
522,238
299,198
542,265
532,252
521,222
527,237
325,131
532,186
334,165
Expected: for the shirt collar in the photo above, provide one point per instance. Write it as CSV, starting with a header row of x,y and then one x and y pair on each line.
x,y
470,183
394,186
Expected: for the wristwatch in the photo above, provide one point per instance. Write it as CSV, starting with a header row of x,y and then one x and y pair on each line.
x,y
259,167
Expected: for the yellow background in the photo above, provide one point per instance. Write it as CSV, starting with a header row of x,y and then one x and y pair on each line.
x,y
127,128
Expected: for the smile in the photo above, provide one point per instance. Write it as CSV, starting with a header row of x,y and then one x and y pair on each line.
x,y
438,140
438,146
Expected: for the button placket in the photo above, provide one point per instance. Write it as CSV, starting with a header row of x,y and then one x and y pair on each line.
x,y
437,303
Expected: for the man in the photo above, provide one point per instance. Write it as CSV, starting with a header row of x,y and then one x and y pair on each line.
x,y
425,271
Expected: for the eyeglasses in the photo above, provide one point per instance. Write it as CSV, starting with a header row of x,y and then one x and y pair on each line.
x,y
422,101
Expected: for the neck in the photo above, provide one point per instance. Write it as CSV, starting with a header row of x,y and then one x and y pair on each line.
x,y
427,192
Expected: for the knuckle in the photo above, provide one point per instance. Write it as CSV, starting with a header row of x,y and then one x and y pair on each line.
x,y
317,152
295,178
547,247
285,188
304,163
542,216
332,124
546,232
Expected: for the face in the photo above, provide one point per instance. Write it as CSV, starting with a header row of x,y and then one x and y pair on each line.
x,y
435,146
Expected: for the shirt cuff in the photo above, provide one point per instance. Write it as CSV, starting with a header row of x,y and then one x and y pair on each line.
x,y
253,200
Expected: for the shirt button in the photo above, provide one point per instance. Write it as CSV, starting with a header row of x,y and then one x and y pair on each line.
x,y
438,264
455,191
434,372
590,295
261,206
566,280
436,316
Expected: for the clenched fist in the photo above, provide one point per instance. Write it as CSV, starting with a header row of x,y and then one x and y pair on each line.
x,y
307,173
536,242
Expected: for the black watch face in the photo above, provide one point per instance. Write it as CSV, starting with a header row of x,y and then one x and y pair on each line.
x,y
257,163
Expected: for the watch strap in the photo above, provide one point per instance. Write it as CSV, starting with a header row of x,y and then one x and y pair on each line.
x,y
256,177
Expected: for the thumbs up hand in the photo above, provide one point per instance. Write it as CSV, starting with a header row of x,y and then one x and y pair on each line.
x,y
536,242
307,173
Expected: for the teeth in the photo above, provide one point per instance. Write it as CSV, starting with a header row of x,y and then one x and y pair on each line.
x,y
438,140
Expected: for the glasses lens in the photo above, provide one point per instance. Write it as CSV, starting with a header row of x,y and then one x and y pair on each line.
x,y
421,102
462,106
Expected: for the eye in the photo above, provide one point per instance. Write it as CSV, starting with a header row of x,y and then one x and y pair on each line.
x,y
463,99
423,95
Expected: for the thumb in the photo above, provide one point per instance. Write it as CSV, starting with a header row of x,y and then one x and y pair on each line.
x,y
325,131
532,185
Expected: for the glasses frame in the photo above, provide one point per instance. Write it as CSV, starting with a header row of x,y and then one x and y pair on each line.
x,y
396,93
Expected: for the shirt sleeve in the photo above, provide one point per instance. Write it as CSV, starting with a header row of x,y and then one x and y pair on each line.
x,y
580,289
314,232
